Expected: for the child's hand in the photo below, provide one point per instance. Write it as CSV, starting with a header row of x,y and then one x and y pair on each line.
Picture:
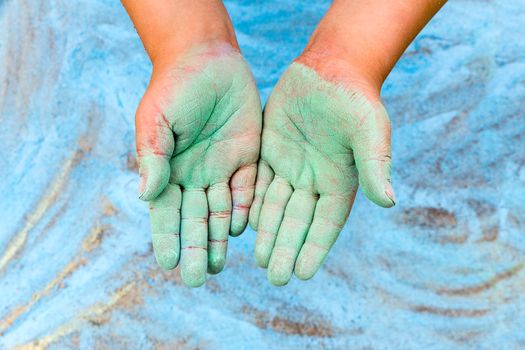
x,y
198,138
320,140
326,131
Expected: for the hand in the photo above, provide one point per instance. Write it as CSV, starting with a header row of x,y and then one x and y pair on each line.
x,y
326,132
198,139
321,138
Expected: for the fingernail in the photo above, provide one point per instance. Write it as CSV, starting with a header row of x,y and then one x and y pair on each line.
x,y
390,194
142,187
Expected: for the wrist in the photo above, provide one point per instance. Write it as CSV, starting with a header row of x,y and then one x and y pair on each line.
x,y
175,53
368,36
169,28
336,54
206,34
334,64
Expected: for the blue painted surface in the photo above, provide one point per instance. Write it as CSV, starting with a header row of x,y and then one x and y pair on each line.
x,y
444,269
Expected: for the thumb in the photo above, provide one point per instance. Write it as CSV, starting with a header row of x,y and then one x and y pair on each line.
x,y
155,145
373,155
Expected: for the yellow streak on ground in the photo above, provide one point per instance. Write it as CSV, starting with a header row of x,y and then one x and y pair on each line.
x,y
75,324
18,241
89,243
68,270
93,239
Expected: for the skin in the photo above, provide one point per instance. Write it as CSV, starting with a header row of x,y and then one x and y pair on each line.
x,y
198,134
326,132
316,136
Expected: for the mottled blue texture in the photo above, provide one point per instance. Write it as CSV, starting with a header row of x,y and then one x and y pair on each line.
x,y
444,269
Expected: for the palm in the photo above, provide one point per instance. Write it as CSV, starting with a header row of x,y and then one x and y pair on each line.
x,y
306,142
207,119
220,131
308,176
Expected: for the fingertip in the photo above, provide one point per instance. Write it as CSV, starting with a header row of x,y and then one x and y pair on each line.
x,y
154,176
303,271
149,194
216,263
278,280
303,274
242,187
166,249
193,278
381,194
253,223
308,262
237,228
280,268
264,177
216,257
262,257
167,262
253,215
391,195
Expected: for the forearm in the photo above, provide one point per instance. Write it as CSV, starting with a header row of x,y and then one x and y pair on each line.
x,y
370,35
169,27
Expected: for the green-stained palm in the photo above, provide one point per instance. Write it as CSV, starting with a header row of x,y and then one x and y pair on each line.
x,y
198,140
320,140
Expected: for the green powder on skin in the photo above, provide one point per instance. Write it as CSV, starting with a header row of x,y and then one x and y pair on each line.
x,y
320,141
197,148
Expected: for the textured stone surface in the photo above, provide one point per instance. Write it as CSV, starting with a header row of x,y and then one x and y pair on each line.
x,y
443,269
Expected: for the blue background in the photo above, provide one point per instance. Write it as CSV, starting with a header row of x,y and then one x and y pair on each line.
x,y
444,269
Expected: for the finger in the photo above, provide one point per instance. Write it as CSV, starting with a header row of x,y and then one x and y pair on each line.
x,y
220,205
155,144
194,237
272,212
372,153
242,187
292,232
165,226
329,218
264,178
